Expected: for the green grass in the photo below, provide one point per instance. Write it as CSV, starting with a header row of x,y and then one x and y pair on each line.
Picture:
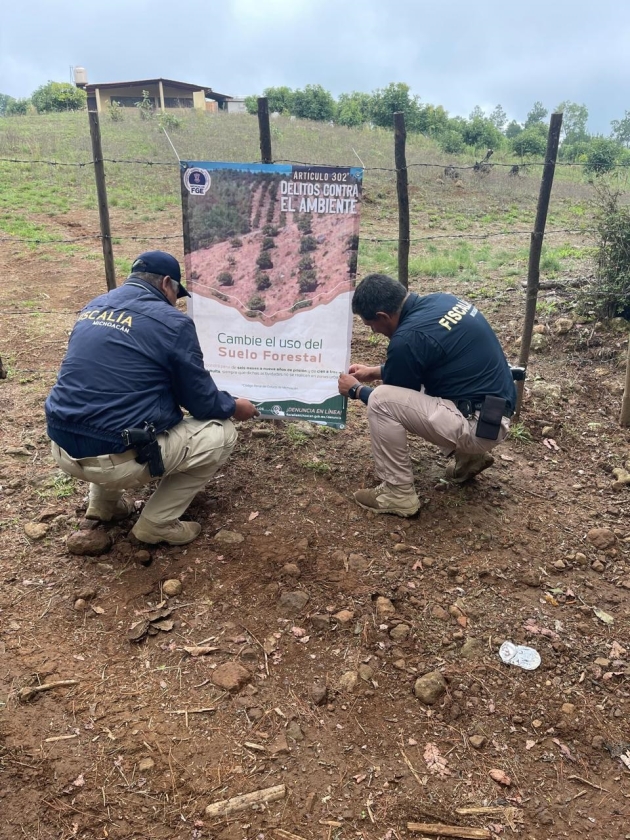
x,y
519,432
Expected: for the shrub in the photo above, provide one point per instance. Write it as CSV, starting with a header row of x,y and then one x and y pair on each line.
x,y
270,230
601,156
264,261
225,279
166,120
452,142
18,107
608,294
256,304
115,111
145,106
305,263
263,281
268,243
236,242
307,243
304,223
307,281
58,96
531,141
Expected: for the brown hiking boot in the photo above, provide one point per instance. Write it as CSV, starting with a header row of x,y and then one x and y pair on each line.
x,y
389,498
468,466
104,511
174,532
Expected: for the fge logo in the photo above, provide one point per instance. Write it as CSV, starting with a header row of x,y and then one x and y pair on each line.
x,y
197,181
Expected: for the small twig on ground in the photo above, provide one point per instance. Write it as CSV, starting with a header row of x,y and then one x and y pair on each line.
x,y
411,767
586,782
240,803
27,693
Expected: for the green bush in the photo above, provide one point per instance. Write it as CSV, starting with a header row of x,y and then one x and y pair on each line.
x,y
18,107
58,96
608,293
313,103
256,304
306,263
270,230
601,156
305,223
115,111
264,261
225,279
307,243
145,106
268,243
307,281
236,242
167,120
451,142
531,141
263,281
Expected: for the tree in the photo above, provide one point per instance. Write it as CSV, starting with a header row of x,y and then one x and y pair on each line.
x,y
513,129
5,99
530,141
17,107
452,142
536,115
479,131
601,156
432,120
58,96
621,129
313,103
353,108
574,121
395,97
251,103
280,99
498,117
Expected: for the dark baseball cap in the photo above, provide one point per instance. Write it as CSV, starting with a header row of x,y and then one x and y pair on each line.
x,y
159,262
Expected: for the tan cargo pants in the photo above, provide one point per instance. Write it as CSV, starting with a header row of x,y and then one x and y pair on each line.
x,y
392,412
192,452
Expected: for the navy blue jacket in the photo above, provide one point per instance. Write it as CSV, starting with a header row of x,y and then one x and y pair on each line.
x,y
446,345
132,358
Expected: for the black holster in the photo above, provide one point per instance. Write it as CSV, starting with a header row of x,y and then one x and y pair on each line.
x,y
148,451
490,417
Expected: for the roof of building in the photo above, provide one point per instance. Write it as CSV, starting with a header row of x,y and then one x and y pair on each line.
x,y
212,94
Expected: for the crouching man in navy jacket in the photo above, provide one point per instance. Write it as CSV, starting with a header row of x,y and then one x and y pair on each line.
x,y
445,379
133,362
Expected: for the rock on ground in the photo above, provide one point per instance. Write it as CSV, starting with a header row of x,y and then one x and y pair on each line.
x,y
172,587
231,676
429,688
89,543
294,601
601,538
228,537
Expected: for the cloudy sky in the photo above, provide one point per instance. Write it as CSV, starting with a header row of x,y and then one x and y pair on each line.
x,y
458,54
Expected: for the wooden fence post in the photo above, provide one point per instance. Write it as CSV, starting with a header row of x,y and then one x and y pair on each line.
x,y
265,130
402,188
101,192
535,249
624,417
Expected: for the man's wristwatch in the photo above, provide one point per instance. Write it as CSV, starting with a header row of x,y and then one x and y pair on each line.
x,y
354,390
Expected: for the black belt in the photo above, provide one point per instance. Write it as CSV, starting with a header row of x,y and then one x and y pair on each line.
x,y
470,407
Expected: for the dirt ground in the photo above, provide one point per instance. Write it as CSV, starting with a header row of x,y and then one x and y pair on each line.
x,y
145,738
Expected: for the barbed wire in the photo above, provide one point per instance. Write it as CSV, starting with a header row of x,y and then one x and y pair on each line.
x,y
482,166
548,232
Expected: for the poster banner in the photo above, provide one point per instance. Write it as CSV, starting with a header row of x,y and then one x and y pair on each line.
x,y
271,257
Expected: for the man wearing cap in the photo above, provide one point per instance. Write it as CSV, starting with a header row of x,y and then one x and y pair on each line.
x,y
446,379
133,362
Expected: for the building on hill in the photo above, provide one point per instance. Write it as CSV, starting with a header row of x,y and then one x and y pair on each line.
x,y
164,94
